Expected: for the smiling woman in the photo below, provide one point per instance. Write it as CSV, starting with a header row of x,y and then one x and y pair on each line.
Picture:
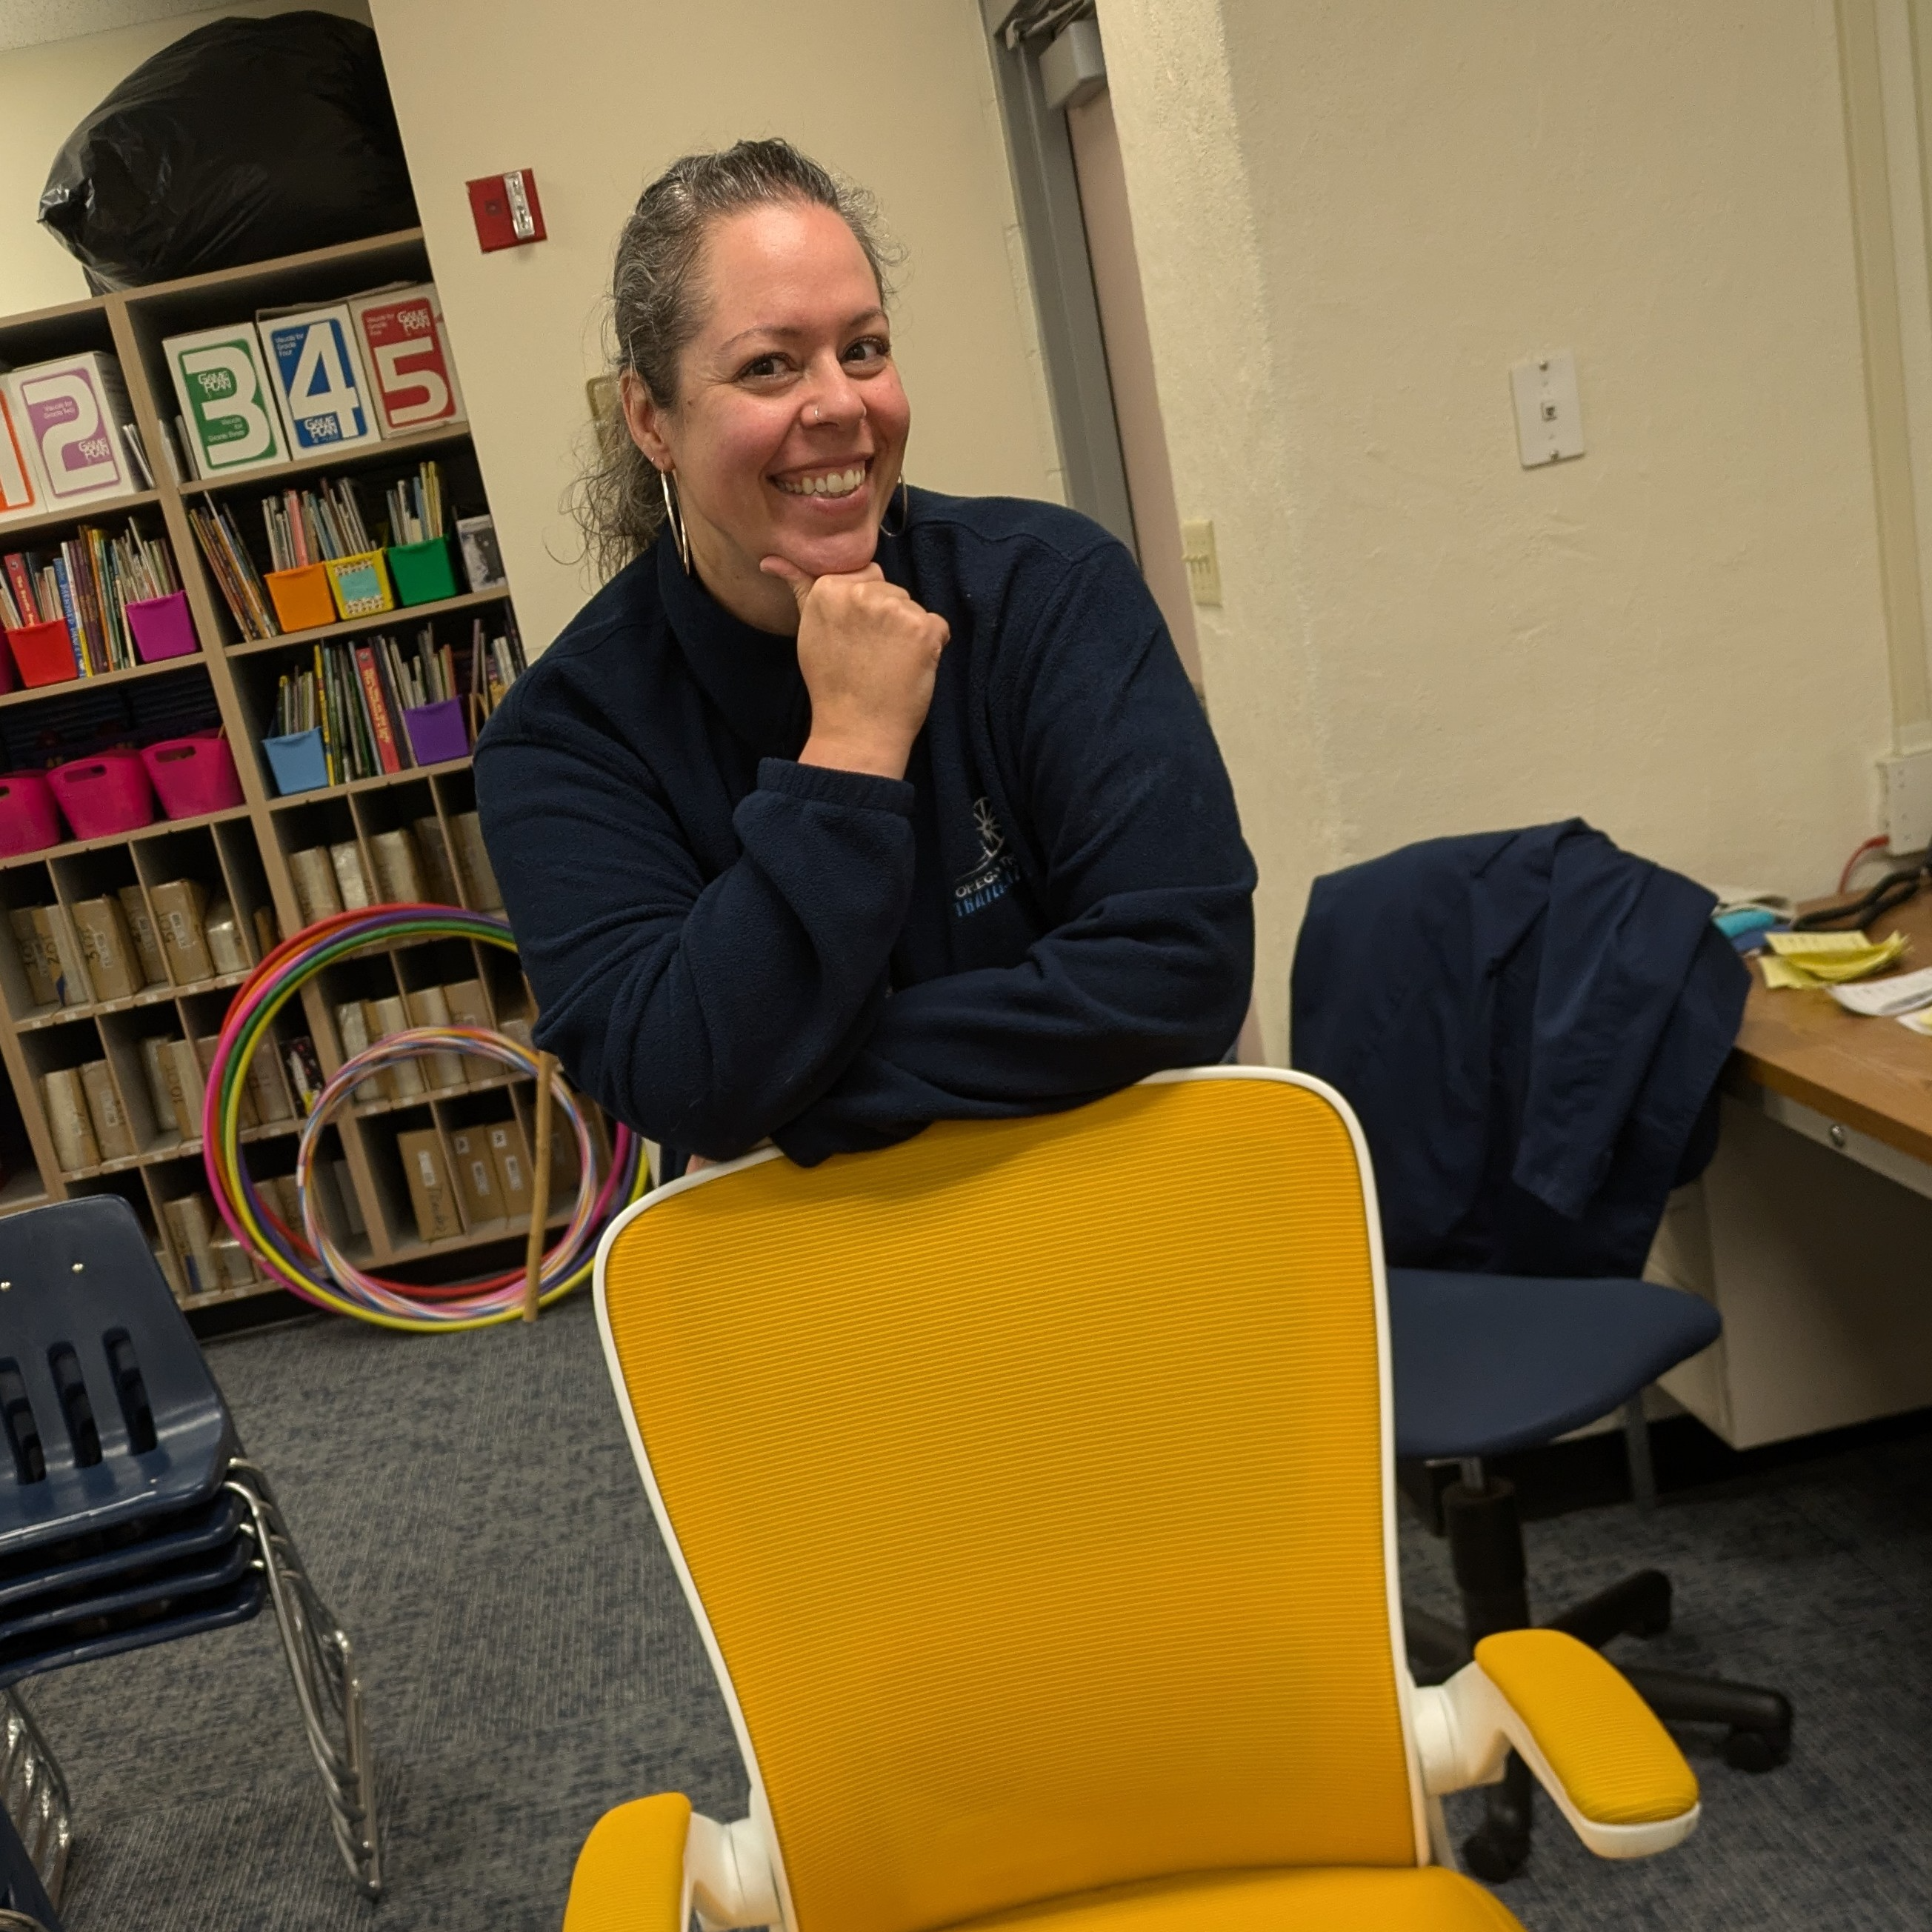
x,y
845,807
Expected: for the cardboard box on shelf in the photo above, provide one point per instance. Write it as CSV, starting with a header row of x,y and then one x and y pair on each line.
x,y
32,944
428,1007
315,892
222,933
190,1219
399,872
180,905
439,877
108,947
113,1132
147,941
266,1087
481,891
390,1015
164,1087
75,1147
356,1028
468,1007
430,1194
510,1154
60,947
352,876
479,1198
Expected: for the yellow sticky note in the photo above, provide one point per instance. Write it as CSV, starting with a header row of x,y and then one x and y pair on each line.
x,y
1793,945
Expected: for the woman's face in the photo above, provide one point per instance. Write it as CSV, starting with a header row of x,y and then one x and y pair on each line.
x,y
790,427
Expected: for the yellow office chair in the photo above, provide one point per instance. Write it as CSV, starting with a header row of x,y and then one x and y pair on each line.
x,y
1031,1484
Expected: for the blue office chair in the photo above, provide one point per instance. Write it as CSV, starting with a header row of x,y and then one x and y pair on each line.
x,y
1433,977
129,1516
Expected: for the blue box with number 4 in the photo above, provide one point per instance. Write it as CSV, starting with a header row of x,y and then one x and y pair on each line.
x,y
320,379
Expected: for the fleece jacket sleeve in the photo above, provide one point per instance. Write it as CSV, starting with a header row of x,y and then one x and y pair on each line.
x,y
1134,836
704,1015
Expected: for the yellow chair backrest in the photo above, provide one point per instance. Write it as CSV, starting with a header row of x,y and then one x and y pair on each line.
x,y
1031,1481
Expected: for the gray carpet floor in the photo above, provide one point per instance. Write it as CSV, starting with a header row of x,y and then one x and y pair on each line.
x,y
469,1507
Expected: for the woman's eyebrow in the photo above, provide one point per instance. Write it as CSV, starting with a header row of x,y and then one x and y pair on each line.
x,y
784,334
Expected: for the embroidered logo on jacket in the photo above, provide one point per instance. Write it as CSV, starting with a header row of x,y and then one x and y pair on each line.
x,y
990,875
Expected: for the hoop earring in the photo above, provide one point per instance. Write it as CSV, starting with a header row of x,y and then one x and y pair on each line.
x,y
905,511
675,518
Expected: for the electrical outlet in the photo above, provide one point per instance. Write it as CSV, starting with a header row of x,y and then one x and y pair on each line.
x,y
1907,777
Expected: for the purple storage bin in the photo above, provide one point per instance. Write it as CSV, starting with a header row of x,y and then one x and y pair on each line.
x,y
162,628
437,733
106,794
29,822
193,776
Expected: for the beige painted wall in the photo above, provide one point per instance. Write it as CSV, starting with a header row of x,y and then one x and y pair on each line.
x,y
44,91
896,93
1355,215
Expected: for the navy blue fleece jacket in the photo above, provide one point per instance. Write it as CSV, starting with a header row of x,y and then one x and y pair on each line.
x,y
726,944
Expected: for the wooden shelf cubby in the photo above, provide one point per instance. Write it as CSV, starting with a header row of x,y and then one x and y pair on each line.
x,y
243,853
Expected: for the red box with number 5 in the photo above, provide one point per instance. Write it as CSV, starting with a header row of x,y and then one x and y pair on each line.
x,y
407,354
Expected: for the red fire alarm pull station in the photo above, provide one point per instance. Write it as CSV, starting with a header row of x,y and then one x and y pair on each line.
x,y
507,210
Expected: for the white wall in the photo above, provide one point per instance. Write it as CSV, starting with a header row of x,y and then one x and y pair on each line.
x,y
1356,214
596,98
44,91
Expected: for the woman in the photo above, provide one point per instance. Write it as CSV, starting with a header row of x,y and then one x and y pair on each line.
x,y
844,807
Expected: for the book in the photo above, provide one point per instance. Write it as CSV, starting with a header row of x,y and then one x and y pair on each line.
x,y
70,410
398,870
235,576
411,374
305,1071
319,385
137,455
316,894
352,876
228,414
482,560
376,704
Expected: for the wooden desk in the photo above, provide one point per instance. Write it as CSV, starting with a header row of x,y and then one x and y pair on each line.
x,y
1812,1229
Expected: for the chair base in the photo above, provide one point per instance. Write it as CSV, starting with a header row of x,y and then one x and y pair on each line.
x,y
33,1789
1486,1548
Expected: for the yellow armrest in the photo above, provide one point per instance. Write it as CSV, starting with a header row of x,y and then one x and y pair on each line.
x,y
1592,1742
630,1874
1601,1741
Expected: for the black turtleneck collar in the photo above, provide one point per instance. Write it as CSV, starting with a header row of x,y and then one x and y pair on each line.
x,y
751,675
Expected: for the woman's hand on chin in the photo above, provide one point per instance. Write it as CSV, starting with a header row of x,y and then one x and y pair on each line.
x,y
868,655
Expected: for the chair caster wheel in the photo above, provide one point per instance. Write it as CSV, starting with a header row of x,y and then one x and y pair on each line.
x,y
1754,1751
1493,1857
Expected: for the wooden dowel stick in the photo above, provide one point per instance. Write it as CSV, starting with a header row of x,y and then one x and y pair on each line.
x,y
533,1252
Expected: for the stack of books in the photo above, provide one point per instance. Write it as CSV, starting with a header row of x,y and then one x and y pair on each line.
x,y
356,693
234,570
417,509
87,583
315,526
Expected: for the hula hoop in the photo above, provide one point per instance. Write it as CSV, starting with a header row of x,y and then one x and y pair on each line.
x,y
297,1262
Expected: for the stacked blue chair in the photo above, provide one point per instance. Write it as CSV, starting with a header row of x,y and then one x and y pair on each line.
x,y
129,1515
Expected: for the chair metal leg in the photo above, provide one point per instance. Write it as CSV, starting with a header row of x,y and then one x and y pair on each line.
x,y
1637,1452
322,1666
34,1788
1437,1648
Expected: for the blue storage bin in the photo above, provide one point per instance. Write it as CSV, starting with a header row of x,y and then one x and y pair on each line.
x,y
297,761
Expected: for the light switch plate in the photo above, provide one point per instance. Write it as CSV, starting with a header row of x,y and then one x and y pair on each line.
x,y
1548,418
1204,565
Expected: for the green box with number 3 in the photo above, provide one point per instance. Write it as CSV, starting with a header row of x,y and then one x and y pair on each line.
x,y
221,383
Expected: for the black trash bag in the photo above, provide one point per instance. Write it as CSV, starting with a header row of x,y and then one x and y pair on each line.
x,y
242,140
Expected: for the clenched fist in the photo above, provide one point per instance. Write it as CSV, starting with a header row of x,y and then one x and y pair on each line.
x,y
868,655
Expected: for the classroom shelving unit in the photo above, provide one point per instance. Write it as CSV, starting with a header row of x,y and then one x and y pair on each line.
x,y
241,854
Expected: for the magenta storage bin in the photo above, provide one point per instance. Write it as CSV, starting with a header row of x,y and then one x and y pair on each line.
x,y
162,628
193,776
106,794
28,821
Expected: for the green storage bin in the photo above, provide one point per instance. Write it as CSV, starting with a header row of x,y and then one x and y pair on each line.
x,y
422,572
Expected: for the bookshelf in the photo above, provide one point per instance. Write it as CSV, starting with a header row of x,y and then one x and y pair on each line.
x,y
242,852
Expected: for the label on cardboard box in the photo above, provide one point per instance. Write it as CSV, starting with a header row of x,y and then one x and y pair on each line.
x,y
511,1159
411,375
222,384
430,1194
319,379
478,1199
179,905
71,412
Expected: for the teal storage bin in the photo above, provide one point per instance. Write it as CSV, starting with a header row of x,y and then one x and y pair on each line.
x,y
423,572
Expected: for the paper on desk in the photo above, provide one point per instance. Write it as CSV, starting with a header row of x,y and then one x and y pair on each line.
x,y
1920,1022
1887,999
1815,958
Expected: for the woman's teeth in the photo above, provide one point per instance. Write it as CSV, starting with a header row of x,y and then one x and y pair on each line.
x,y
839,483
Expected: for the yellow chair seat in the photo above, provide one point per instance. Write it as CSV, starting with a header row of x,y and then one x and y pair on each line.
x,y
1428,1899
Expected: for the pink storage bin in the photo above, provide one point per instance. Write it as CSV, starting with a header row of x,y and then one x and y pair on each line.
x,y
193,776
106,794
28,821
162,628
